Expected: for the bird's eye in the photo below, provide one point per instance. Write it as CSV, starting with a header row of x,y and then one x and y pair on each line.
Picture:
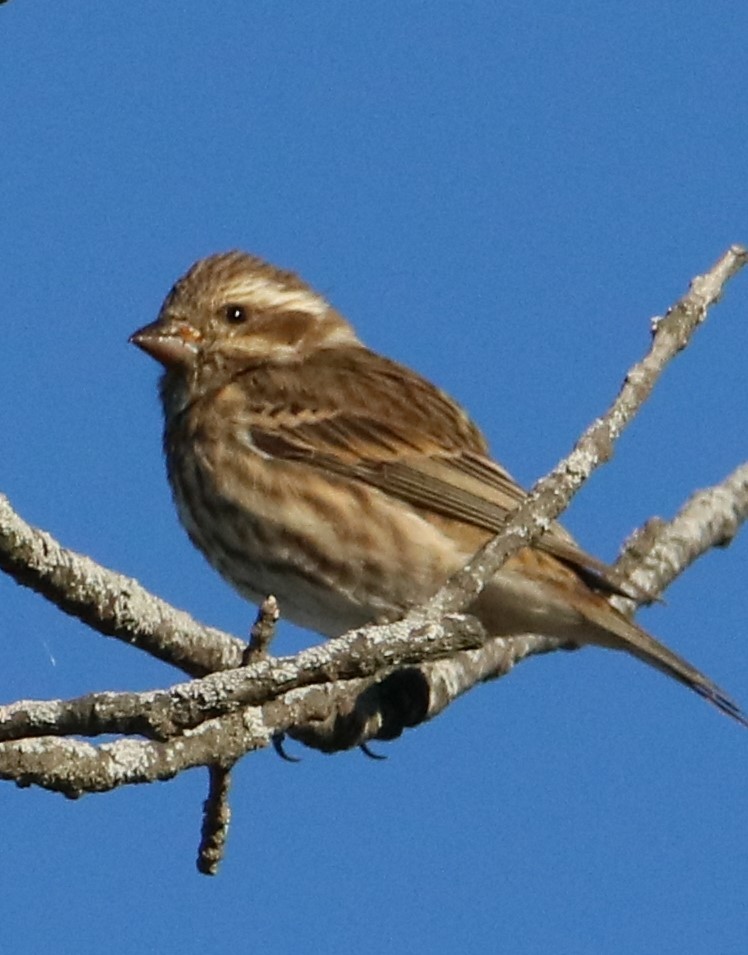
x,y
235,314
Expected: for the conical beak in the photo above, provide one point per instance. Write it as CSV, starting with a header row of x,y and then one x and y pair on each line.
x,y
171,343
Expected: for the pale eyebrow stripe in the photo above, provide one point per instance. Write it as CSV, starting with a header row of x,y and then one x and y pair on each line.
x,y
265,293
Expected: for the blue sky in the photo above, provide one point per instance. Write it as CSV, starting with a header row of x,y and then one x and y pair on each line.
x,y
501,195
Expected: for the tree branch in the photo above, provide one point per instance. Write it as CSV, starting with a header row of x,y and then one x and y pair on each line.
x,y
159,714
659,552
110,603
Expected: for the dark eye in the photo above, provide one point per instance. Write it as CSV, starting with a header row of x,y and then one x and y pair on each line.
x,y
235,314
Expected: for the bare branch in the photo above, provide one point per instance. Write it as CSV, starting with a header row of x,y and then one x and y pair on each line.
x,y
659,552
216,819
162,713
216,808
74,767
110,603
263,630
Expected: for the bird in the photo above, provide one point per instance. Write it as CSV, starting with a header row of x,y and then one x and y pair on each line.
x,y
305,465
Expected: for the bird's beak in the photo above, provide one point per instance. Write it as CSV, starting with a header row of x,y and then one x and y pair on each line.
x,y
171,343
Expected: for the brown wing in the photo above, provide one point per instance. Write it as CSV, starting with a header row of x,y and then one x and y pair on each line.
x,y
358,414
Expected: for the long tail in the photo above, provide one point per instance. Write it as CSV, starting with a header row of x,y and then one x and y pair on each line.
x,y
639,643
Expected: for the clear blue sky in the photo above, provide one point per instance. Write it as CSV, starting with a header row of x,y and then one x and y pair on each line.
x,y
502,195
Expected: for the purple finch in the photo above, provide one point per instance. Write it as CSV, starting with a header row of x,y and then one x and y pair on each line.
x,y
306,466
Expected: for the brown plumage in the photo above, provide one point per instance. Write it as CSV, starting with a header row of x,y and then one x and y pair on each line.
x,y
307,466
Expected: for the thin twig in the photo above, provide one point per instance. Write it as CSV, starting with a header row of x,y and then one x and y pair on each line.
x,y
216,808
216,819
660,551
263,631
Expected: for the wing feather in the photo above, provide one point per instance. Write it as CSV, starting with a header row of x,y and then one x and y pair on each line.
x,y
363,416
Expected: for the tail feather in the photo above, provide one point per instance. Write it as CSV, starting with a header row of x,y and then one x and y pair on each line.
x,y
642,645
